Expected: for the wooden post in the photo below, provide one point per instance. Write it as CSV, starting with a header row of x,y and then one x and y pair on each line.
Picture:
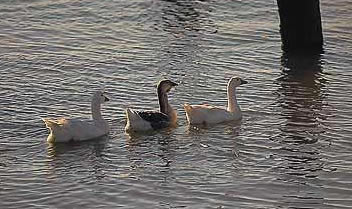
x,y
300,25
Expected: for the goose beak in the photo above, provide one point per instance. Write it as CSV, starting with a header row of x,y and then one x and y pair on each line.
x,y
106,99
174,84
243,82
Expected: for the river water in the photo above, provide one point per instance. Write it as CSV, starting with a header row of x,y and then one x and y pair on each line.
x,y
291,150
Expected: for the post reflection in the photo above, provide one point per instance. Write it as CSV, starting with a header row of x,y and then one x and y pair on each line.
x,y
301,96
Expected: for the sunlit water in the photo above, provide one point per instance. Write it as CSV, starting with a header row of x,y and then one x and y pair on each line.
x,y
291,150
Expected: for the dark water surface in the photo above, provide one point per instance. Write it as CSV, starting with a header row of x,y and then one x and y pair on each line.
x,y
291,150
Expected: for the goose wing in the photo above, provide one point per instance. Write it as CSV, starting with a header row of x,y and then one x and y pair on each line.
x,y
203,114
50,123
156,119
205,107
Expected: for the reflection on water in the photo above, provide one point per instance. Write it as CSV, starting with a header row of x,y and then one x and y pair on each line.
x,y
231,128
151,157
180,15
179,52
60,149
301,96
67,158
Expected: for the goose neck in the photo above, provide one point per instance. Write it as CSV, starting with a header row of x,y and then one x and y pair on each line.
x,y
232,105
96,110
163,102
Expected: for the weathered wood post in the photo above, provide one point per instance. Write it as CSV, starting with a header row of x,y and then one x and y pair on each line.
x,y
300,25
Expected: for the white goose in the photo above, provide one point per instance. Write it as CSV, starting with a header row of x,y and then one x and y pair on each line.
x,y
153,120
64,130
207,114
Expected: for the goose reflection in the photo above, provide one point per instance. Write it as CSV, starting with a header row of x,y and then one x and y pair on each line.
x,y
143,149
69,158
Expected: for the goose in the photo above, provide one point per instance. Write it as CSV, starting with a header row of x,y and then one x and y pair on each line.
x,y
208,114
65,130
153,120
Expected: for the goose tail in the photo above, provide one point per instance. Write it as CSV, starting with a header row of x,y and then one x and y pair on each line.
x,y
52,124
187,107
131,115
132,118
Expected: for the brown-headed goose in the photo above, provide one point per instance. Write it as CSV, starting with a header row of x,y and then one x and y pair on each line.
x,y
153,120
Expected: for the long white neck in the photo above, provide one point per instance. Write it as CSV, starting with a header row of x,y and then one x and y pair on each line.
x,y
232,105
96,113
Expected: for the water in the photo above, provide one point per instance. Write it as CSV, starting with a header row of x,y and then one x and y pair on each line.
x,y
291,150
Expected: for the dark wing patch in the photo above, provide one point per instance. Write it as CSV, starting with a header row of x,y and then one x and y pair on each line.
x,y
156,119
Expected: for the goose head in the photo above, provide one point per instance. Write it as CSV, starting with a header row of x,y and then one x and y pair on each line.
x,y
235,82
164,86
100,97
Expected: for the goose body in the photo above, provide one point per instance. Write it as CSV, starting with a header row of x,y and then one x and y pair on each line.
x,y
65,130
208,114
153,120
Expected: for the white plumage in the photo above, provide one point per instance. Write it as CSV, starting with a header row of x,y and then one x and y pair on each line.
x,y
64,130
207,114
